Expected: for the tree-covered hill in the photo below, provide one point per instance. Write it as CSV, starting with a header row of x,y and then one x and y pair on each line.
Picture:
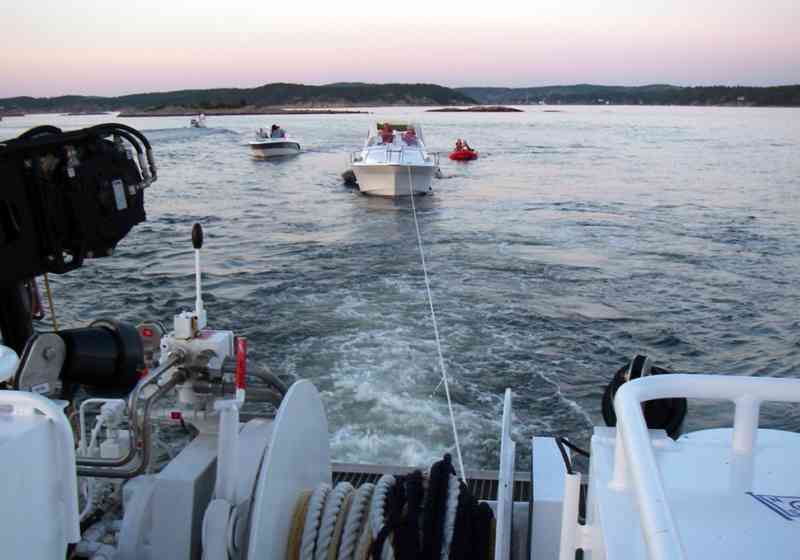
x,y
656,94
269,95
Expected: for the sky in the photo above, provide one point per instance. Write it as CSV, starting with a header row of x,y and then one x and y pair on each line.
x,y
109,48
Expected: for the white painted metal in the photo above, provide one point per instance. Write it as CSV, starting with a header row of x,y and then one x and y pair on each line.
x,y
298,458
254,438
39,507
167,513
240,455
519,530
215,529
227,449
134,535
709,485
8,363
547,488
505,485
569,517
218,514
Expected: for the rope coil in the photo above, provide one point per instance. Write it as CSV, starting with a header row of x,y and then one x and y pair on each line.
x,y
313,519
338,530
359,510
377,511
416,516
333,506
453,494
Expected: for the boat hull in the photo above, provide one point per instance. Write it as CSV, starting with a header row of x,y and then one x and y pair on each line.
x,y
264,150
394,180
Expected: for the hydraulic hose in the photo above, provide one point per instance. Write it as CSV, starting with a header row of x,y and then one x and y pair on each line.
x,y
109,468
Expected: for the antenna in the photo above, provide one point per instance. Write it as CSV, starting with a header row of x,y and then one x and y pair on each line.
x,y
197,243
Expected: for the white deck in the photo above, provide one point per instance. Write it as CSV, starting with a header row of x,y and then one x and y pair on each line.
x,y
715,505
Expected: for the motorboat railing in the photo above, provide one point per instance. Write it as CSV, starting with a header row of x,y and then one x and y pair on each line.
x,y
395,154
634,452
391,153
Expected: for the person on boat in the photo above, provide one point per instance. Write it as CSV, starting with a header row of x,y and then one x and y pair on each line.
x,y
410,136
466,147
459,145
387,134
277,132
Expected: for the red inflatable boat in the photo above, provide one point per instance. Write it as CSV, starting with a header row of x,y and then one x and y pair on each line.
x,y
463,155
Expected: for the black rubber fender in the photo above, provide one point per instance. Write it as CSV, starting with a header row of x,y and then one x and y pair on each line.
x,y
661,414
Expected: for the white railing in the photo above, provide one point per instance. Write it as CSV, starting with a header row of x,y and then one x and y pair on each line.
x,y
634,453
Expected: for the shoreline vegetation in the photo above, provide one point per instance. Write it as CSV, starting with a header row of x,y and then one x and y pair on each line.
x,y
184,112
655,94
281,98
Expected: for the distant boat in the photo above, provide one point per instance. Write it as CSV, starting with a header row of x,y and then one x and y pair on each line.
x,y
394,164
264,146
198,122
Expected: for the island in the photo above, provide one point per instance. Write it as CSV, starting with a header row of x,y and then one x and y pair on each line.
x,y
477,109
266,99
193,111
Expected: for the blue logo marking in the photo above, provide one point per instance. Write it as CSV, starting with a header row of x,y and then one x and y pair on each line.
x,y
787,507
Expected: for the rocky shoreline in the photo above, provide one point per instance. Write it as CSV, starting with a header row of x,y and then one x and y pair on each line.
x,y
477,109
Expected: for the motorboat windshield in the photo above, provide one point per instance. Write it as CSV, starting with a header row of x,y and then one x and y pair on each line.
x,y
397,133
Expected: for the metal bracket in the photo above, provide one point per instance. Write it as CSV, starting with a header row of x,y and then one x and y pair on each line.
x,y
40,366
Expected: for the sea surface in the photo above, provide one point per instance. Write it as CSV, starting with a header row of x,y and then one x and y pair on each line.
x,y
581,236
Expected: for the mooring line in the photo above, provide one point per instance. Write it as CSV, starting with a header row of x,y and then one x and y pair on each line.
x,y
436,329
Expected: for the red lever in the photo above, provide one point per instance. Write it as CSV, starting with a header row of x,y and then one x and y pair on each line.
x,y
241,362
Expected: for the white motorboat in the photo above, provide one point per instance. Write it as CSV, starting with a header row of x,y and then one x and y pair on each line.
x,y
198,122
85,482
265,146
394,161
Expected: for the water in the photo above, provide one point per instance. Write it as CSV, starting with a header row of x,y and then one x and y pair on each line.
x,y
577,239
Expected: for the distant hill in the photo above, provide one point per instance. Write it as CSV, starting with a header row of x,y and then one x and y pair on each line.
x,y
354,94
269,95
656,94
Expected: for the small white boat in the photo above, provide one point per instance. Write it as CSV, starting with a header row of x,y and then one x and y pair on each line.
x,y
198,122
394,161
265,146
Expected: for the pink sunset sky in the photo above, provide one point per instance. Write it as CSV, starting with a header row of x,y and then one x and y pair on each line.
x,y
108,48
